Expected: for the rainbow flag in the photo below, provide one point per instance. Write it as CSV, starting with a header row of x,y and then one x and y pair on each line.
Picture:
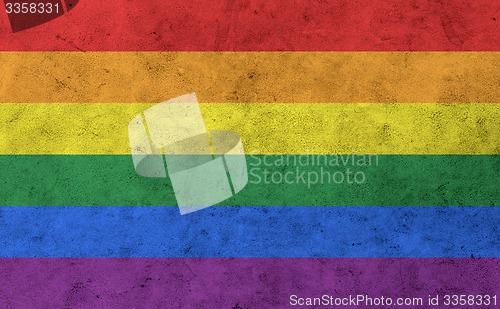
x,y
371,132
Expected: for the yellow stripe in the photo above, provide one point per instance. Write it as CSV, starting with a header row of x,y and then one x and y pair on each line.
x,y
410,128
250,77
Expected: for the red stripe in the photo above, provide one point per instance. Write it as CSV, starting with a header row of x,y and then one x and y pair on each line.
x,y
264,25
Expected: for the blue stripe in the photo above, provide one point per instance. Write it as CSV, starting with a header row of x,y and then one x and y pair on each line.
x,y
304,231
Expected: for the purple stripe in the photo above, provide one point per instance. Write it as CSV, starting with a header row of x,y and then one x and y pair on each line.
x,y
227,283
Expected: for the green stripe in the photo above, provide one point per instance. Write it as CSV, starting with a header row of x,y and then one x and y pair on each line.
x,y
395,180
